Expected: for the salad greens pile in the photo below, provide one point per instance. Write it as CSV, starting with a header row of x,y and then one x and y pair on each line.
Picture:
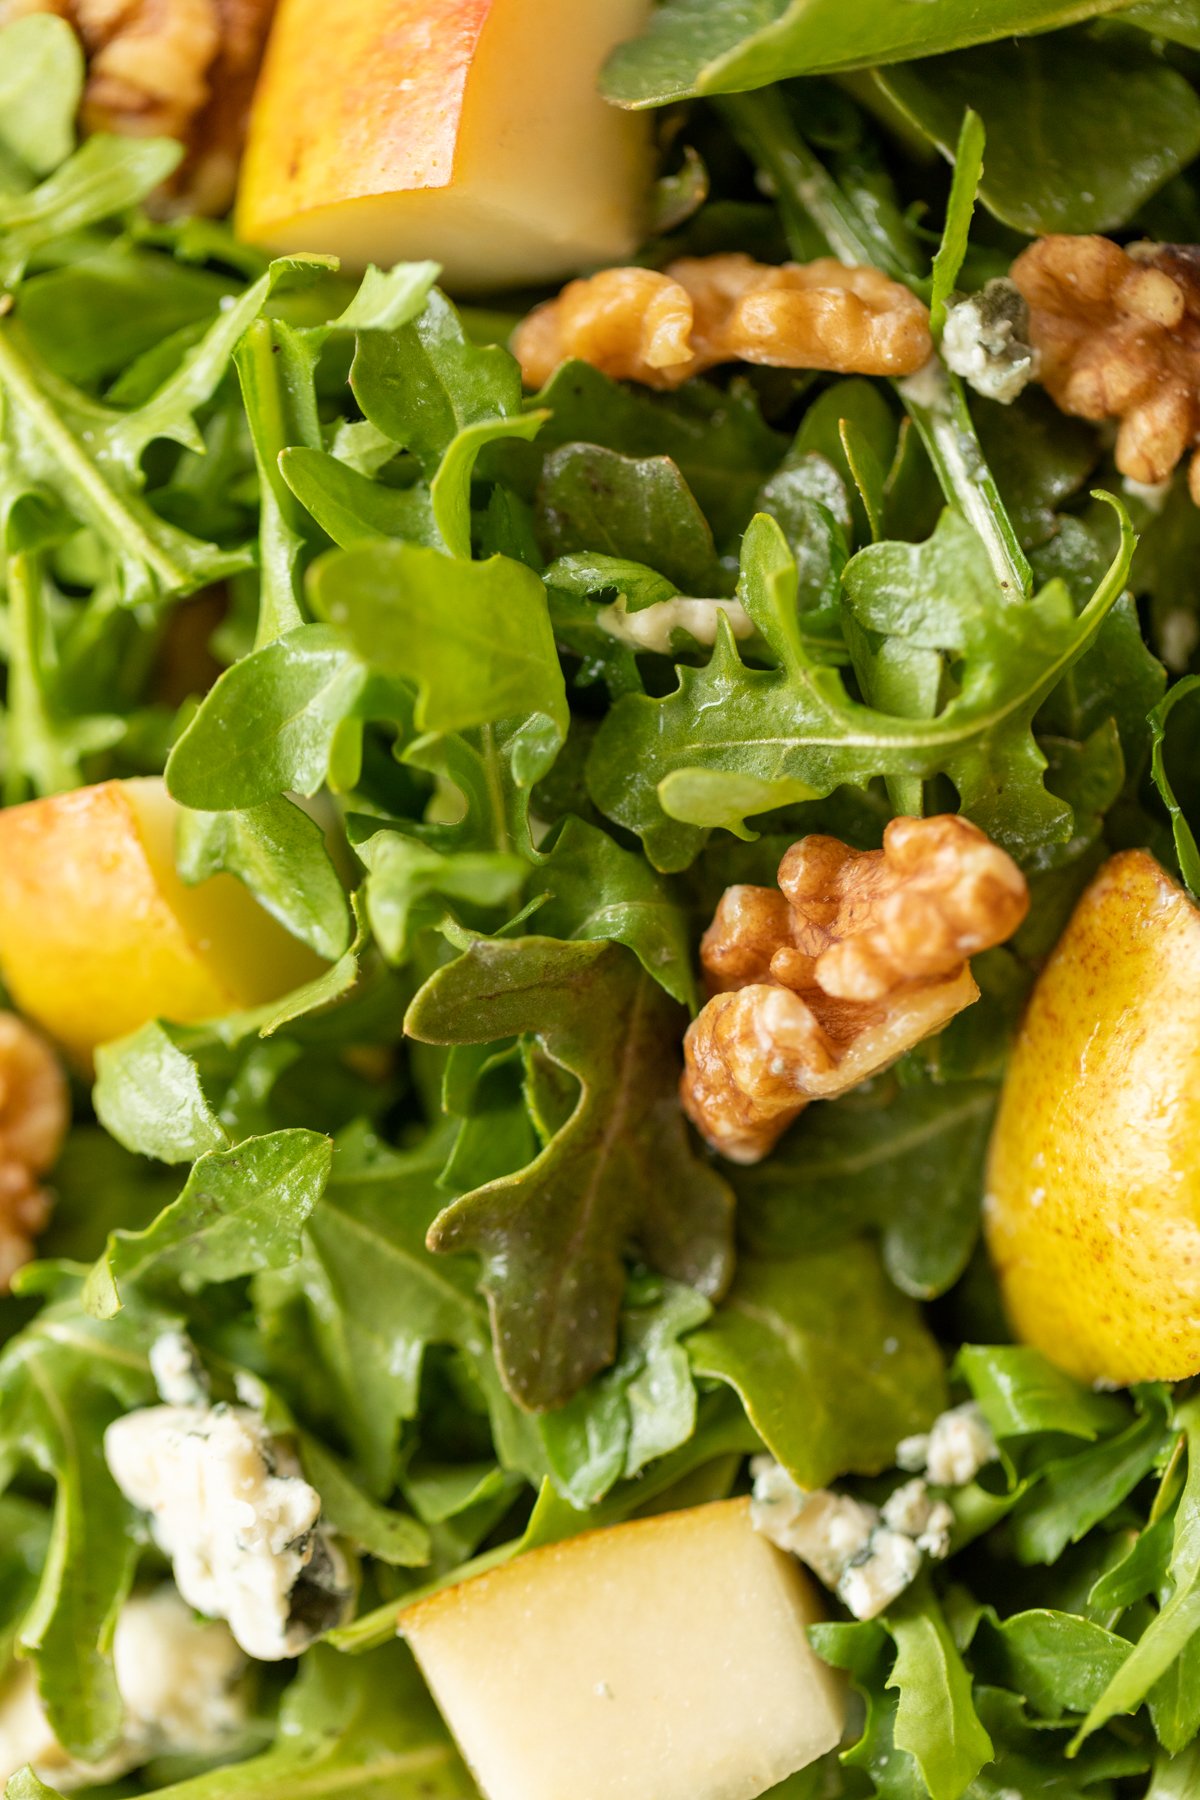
x,y
296,538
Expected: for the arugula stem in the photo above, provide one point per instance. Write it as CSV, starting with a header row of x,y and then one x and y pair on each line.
x,y
99,502
933,399
275,369
34,753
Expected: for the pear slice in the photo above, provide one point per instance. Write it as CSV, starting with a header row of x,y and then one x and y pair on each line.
x,y
98,934
469,131
666,1659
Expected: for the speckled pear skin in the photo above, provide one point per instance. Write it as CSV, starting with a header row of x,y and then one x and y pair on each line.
x,y
1092,1213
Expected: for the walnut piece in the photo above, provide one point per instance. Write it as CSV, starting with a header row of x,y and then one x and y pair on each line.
x,y
1118,334
856,957
34,1112
170,68
660,329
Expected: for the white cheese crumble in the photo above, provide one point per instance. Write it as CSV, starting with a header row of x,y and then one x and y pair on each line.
x,y
179,1679
178,1373
984,341
954,1450
229,1505
652,627
869,1585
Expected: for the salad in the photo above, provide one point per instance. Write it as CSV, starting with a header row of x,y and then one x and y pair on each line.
x,y
598,902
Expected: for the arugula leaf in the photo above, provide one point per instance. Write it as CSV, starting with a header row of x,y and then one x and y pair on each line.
x,y
936,1720
279,852
474,637
411,886
617,1172
362,1727
761,737
725,46
597,891
149,1097
833,1366
41,83
1185,843
62,1381
1021,1393
1176,1624
716,437
644,1406
1080,130
241,1210
270,724
103,177
423,383
904,1161
1077,1492
1059,1662
640,509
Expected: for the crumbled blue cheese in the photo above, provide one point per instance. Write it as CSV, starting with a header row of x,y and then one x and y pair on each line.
x,y
867,1556
177,1370
985,341
653,627
180,1680
230,1507
889,1564
954,1450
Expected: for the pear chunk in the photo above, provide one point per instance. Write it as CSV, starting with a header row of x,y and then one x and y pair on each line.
x,y
468,131
666,1659
98,934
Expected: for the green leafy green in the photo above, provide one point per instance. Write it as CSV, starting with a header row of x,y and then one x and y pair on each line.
x,y
618,1170
279,851
702,47
803,734
149,1097
1080,131
1185,842
906,1162
825,1398
936,1720
241,1210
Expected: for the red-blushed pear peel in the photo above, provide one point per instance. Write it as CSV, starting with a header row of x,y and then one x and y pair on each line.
x,y
466,131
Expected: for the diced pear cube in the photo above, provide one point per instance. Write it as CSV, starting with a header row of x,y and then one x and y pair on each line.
x,y
665,1659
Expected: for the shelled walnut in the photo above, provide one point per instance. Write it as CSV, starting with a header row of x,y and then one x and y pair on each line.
x,y
1118,335
852,960
34,1113
660,329
170,68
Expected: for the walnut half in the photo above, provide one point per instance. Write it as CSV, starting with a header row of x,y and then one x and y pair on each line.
x,y
1118,337
34,1112
660,329
827,979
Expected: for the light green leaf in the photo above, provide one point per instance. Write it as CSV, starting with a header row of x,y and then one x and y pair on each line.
x,y
279,852
148,1096
832,1364
240,1211
41,82
936,1721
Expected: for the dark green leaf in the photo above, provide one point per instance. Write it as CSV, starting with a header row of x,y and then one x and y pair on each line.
x,y
1021,1393
907,1163
726,46
594,499
618,1172
1080,130
1185,842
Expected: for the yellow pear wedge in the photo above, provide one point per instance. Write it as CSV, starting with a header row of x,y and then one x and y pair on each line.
x,y
665,1659
1093,1205
467,131
98,934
